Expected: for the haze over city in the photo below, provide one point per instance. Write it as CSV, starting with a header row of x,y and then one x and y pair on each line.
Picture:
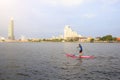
x,y
45,18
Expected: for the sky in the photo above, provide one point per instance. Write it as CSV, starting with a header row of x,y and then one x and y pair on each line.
x,y
45,18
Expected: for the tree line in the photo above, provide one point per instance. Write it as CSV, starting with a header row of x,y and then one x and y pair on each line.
x,y
108,38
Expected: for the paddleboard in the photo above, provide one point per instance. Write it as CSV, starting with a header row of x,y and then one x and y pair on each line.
x,y
77,56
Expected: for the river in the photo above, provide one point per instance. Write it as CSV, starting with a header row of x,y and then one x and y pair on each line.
x,y
47,61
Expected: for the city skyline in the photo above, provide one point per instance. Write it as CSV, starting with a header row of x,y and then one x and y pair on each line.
x,y
45,18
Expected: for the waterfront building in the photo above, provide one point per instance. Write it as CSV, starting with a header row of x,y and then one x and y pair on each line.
x,y
118,39
2,39
23,38
69,33
57,37
11,30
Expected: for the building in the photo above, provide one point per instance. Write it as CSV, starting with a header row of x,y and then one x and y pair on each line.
x,y
118,39
11,30
69,33
2,39
57,37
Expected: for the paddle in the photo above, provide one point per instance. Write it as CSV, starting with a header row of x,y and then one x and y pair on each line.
x,y
76,51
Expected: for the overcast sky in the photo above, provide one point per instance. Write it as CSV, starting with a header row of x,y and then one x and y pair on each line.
x,y
44,18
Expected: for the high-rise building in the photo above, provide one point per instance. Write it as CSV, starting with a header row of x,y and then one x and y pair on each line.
x,y
11,30
69,33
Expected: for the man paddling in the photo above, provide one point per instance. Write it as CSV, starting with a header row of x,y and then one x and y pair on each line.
x,y
80,51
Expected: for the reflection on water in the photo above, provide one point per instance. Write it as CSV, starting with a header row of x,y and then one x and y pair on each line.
x,y
47,61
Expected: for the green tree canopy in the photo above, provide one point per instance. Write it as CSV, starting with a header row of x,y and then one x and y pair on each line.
x,y
108,38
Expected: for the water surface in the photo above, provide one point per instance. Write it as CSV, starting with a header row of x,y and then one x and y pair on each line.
x,y
47,61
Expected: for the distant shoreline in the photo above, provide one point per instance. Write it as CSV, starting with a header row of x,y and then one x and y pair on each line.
x,y
15,41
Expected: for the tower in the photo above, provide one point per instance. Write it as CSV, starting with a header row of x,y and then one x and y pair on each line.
x,y
11,30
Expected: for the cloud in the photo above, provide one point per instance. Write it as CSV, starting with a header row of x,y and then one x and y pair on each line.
x,y
89,15
65,3
110,2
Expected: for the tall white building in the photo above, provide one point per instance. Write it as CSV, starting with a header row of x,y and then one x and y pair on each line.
x,y
11,30
69,33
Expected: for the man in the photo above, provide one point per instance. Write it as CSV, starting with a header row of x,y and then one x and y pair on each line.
x,y
80,51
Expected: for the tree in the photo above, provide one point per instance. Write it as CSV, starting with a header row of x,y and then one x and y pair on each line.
x,y
108,38
91,40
